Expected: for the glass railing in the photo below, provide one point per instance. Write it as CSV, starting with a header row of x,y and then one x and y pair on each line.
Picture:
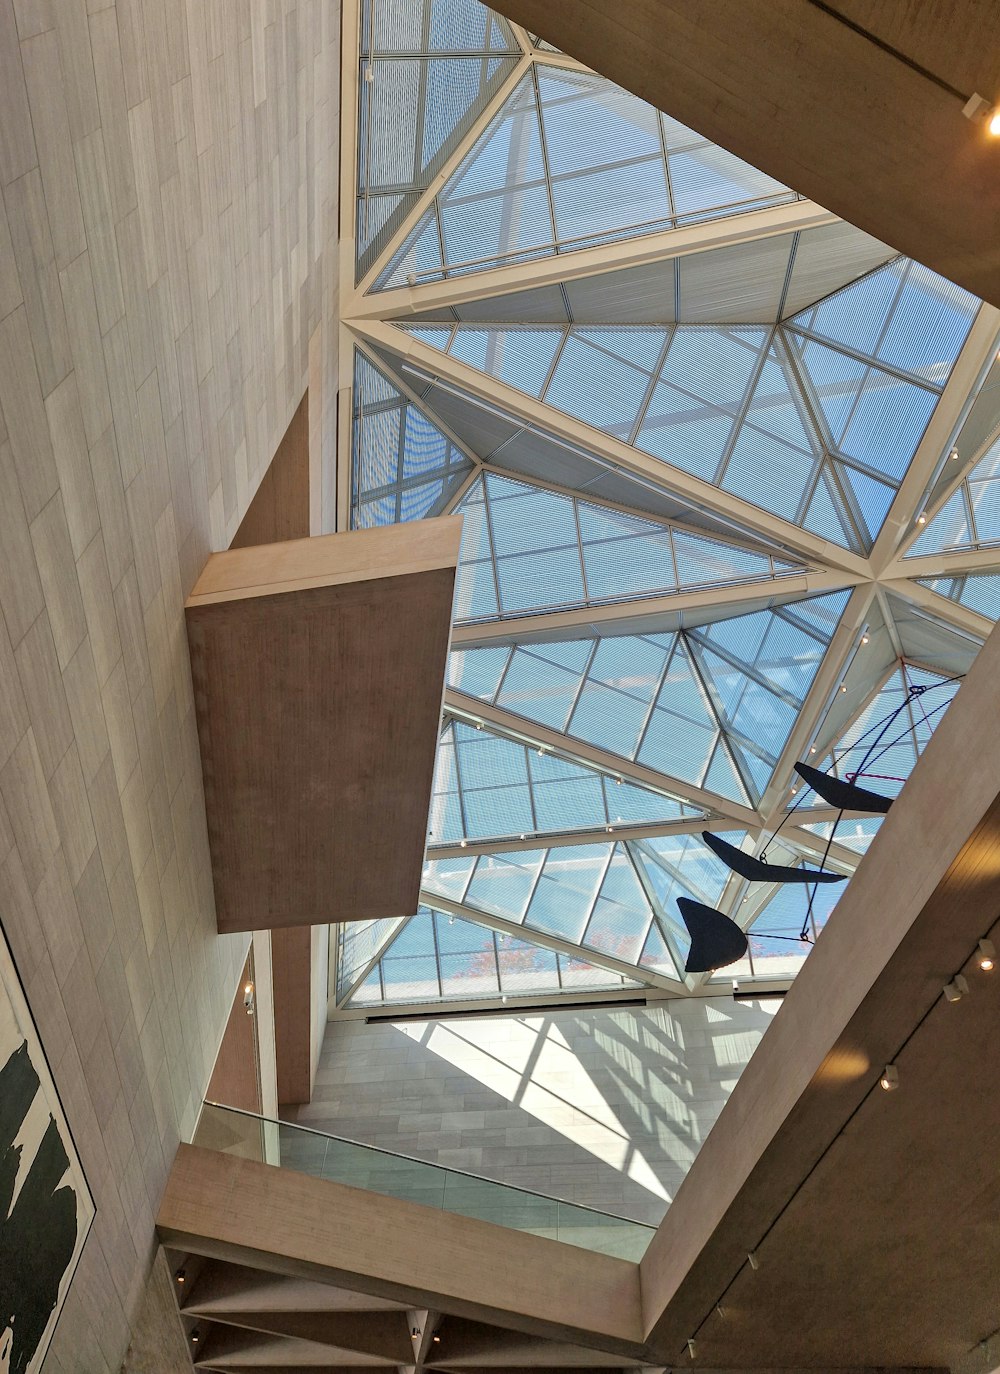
x,y
414,1180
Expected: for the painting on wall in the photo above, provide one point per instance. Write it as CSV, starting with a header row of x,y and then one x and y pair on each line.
x,y
46,1208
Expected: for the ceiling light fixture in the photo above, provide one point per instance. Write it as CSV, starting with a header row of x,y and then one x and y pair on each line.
x,y
462,843
987,955
864,638
753,1261
248,998
889,1081
953,455
180,1276
956,989
195,1336
691,1347
921,519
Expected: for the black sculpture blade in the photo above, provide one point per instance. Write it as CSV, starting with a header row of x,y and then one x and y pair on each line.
x,y
845,796
715,940
757,871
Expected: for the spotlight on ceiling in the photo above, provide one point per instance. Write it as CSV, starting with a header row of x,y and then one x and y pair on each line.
x,y
987,956
956,989
889,1080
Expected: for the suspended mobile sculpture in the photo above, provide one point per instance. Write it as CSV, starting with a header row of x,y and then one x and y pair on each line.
x,y
716,939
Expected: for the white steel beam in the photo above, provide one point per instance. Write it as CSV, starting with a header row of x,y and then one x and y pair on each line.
x,y
586,262
955,564
539,937
470,709
695,607
839,855
978,352
564,839
510,1004
618,455
426,199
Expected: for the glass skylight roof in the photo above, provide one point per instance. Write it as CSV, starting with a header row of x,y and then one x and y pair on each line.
x,y
570,161
691,483
488,786
527,549
816,421
439,957
712,706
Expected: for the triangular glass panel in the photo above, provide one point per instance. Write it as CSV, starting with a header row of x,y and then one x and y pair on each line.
x,y
427,71
602,174
980,592
826,514
358,942
403,467
705,179
621,917
758,669
656,953
527,549
901,315
488,786
444,957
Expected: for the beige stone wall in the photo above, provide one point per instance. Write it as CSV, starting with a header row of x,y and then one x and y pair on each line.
x,y
606,1108
167,252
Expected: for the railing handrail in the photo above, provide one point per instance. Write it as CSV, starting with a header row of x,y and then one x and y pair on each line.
x,y
426,1163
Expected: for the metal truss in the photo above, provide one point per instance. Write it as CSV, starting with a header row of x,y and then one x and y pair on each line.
x,y
886,576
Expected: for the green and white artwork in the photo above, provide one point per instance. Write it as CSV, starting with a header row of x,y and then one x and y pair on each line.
x,y
45,1205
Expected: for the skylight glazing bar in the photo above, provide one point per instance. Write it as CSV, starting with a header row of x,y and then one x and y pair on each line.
x,y
540,937
734,755
661,245
651,389
519,727
663,923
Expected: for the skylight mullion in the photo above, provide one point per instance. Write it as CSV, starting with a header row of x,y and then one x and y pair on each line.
x,y
494,571
459,786
579,545
400,463
671,203
653,382
747,783
663,922
749,670
743,410
588,919
544,146
584,678
655,696
531,790
566,332
868,359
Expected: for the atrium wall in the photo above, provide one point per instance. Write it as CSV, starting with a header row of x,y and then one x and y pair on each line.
x,y
606,1108
167,255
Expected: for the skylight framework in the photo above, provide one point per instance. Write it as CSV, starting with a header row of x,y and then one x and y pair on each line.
x,y
728,470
